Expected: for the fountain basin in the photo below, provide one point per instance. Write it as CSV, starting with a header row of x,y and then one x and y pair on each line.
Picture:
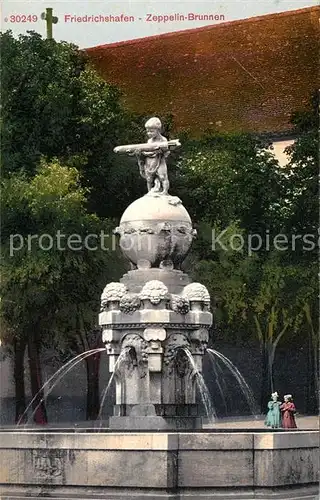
x,y
159,465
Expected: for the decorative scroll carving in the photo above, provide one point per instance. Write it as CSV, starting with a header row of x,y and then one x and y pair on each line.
x,y
154,334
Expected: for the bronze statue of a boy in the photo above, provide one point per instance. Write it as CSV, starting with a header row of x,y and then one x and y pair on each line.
x,y
152,164
152,156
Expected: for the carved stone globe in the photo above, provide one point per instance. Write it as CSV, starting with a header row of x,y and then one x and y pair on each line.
x,y
156,231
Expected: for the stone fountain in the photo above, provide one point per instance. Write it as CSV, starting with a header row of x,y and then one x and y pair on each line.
x,y
154,311
154,321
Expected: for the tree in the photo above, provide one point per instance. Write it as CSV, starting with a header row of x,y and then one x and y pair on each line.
x,y
264,299
16,306
302,187
231,178
228,274
302,220
307,325
274,312
46,275
55,105
263,295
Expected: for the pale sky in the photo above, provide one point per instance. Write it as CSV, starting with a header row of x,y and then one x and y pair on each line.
x,y
22,16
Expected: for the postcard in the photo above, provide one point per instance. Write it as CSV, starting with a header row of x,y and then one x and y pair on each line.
x,y
160,242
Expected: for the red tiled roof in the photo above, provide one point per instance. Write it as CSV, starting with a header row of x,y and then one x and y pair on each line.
x,y
247,75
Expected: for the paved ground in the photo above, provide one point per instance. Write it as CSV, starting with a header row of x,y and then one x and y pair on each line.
x,y
303,422
245,423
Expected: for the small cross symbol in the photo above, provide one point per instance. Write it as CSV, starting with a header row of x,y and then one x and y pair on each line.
x,y
50,19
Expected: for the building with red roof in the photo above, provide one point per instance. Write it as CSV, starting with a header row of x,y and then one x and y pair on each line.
x,y
248,75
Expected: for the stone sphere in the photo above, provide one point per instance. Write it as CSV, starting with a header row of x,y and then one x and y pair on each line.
x,y
156,231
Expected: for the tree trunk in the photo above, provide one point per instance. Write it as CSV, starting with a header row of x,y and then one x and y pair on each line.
x,y
266,382
38,406
19,350
312,399
316,378
271,356
93,396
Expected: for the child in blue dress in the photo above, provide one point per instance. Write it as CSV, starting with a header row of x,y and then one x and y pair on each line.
x,y
273,418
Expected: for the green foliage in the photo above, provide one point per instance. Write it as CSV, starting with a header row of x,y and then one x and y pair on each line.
x,y
231,178
55,105
302,173
39,90
39,282
60,122
233,184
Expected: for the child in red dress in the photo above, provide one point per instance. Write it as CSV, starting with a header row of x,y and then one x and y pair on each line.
x,y
288,411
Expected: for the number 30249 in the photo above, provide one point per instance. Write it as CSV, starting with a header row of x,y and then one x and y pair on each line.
x,y
23,18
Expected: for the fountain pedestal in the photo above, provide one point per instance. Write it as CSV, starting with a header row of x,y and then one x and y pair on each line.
x,y
155,330
157,319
